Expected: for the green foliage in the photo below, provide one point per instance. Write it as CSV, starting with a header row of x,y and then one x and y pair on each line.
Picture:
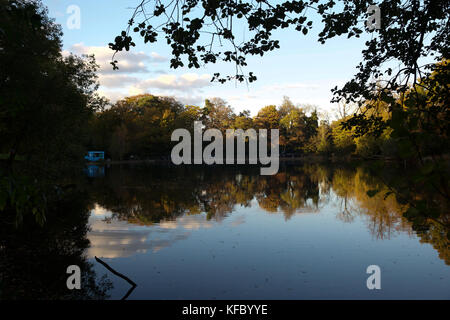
x,y
267,118
367,146
297,128
217,114
141,126
22,195
46,101
46,98
243,121
322,142
343,141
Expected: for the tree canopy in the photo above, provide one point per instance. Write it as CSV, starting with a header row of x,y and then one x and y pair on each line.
x,y
45,97
201,32
46,101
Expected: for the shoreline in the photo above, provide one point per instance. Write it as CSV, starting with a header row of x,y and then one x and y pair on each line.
x,y
308,158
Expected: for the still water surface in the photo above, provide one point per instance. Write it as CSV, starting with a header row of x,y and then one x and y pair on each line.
x,y
309,232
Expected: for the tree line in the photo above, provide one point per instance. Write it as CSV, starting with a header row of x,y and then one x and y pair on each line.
x,y
140,127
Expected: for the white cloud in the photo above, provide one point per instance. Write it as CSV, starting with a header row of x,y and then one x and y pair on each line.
x,y
134,75
117,238
100,211
157,58
139,73
116,80
190,100
128,61
113,96
187,222
183,82
133,91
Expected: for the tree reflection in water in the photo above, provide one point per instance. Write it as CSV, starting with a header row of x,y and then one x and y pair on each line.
x,y
33,260
146,195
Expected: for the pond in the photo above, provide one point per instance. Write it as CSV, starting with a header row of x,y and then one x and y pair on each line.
x,y
309,232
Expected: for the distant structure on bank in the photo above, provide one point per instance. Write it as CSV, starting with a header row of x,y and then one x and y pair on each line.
x,y
95,156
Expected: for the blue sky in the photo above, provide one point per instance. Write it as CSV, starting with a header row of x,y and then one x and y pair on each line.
x,y
302,69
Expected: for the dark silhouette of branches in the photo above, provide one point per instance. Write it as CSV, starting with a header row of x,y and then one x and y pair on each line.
x,y
133,285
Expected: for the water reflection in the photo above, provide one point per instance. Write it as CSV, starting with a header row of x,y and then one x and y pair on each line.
x,y
113,238
177,200
94,171
227,232
34,260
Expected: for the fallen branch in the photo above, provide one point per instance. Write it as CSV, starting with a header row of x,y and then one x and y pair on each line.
x,y
133,285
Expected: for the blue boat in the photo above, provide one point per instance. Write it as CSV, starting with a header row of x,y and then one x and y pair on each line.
x,y
94,156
